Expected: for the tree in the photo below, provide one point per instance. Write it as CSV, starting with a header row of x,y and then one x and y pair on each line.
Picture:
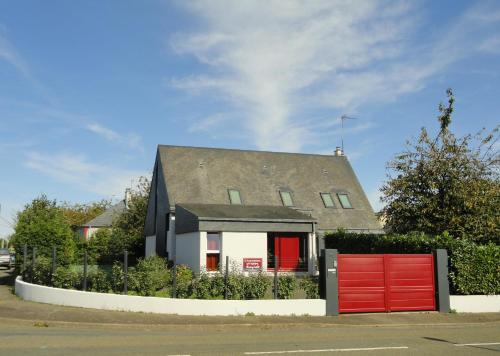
x,y
128,227
42,225
446,184
78,214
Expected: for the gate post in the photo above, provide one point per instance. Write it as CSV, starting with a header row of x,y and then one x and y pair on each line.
x,y
442,286
329,281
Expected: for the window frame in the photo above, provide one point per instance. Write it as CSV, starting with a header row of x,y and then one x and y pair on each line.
x,y
348,200
213,253
281,192
229,190
321,194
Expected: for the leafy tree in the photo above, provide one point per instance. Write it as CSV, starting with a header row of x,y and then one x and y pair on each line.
x,y
42,225
128,227
446,183
78,214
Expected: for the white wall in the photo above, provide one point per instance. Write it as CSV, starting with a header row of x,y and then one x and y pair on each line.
x,y
188,249
475,303
150,246
238,245
42,294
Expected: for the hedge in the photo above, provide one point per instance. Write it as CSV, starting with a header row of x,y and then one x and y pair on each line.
x,y
473,269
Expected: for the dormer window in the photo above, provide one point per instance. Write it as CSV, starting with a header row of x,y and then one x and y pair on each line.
x,y
286,198
344,200
234,196
327,200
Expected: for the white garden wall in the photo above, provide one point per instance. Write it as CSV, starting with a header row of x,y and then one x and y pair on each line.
x,y
475,303
106,301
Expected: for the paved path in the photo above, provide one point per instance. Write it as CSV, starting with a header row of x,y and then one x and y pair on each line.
x,y
33,328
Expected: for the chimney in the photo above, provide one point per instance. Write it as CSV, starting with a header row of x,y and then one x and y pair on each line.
x,y
128,196
338,152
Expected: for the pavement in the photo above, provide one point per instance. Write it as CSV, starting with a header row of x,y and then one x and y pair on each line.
x,y
35,328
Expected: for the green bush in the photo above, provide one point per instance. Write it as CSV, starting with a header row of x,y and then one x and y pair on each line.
x,y
256,285
66,278
117,277
42,272
473,269
287,283
149,276
98,281
208,286
310,285
184,281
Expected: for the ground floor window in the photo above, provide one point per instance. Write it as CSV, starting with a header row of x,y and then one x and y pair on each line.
x,y
289,249
213,251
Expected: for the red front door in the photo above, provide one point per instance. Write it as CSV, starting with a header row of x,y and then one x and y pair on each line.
x,y
288,252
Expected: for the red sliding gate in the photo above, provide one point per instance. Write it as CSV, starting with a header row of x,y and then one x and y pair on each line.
x,y
383,283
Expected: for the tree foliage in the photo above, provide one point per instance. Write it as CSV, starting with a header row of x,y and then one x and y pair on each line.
x,y
42,225
78,214
446,183
128,227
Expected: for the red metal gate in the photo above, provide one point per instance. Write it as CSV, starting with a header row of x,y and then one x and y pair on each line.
x,y
383,283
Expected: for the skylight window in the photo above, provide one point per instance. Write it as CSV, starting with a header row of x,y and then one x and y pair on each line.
x,y
344,201
234,196
327,200
286,198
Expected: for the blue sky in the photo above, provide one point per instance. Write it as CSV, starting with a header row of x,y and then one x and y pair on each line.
x,y
88,89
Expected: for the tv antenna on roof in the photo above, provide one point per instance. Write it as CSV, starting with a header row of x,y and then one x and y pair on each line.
x,y
342,119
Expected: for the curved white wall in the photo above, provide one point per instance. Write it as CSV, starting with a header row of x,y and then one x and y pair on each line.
x,y
74,298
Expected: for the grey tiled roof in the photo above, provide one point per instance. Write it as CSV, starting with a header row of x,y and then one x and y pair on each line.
x,y
106,218
193,175
245,212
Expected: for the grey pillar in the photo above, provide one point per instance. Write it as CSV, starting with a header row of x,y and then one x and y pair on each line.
x,y
442,285
329,281
125,272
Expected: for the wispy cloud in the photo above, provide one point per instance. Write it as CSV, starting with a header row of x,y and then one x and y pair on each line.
x,y
278,62
10,55
77,170
132,140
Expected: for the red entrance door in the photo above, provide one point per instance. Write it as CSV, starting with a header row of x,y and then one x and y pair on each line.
x,y
378,283
287,250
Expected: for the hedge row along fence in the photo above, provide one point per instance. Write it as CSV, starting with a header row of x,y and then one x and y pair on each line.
x,y
473,269
152,277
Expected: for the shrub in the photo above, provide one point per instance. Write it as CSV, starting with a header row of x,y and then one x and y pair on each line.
x,y
117,277
184,281
208,286
236,286
287,283
256,285
149,276
310,285
66,278
42,272
98,281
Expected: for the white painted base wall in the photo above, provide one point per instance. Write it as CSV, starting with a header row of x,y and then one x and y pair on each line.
x,y
106,301
475,303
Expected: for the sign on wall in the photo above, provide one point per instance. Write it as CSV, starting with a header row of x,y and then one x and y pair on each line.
x,y
252,264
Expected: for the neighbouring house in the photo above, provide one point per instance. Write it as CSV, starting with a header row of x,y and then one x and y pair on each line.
x,y
104,220
257,208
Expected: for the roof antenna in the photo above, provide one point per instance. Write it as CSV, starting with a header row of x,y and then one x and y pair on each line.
x,y
342,119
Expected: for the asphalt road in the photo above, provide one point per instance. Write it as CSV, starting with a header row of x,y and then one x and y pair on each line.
x,y
30,328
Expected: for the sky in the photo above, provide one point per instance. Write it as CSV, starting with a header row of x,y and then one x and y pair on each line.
x,y
89,89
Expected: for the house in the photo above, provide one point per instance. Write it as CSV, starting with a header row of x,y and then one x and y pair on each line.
x,y
254,207
104,220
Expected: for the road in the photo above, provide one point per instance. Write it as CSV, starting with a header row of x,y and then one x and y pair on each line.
x,y
36,329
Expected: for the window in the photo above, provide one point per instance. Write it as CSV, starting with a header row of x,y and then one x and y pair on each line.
x,y
213,251
234,196
327,200
286,198
344,201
